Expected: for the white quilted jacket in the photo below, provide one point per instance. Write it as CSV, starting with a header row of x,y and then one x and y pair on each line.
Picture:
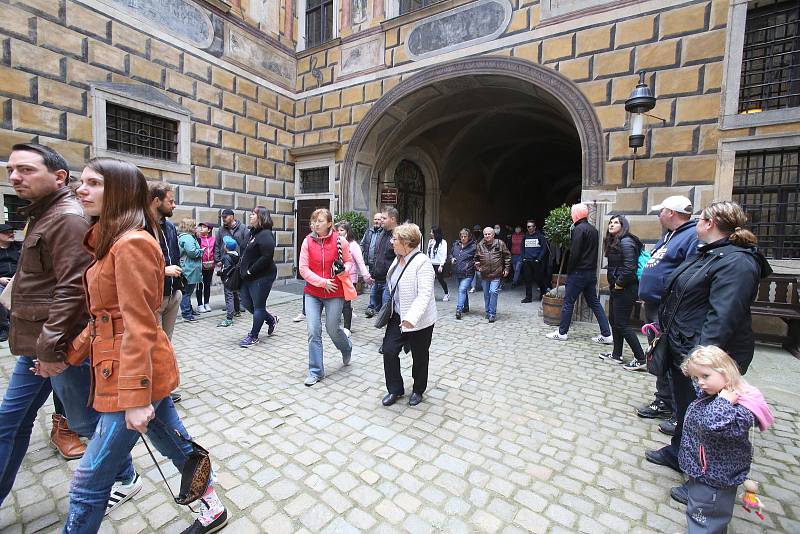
x,y
415,293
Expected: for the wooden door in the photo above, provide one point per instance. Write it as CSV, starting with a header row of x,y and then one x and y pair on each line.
x,y
304,210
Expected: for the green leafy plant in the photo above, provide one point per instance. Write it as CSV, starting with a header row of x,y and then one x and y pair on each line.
x,y
558,231
357,221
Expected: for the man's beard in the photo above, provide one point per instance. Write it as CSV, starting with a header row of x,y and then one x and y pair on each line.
x,y
165,214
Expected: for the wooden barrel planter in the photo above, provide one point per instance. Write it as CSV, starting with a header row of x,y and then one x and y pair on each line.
x,y
551,310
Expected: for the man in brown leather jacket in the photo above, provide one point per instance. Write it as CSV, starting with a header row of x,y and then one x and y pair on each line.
x,y
493,260
48,308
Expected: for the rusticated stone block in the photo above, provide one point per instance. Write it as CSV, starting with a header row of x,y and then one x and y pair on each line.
x,y
200,111
647,227
246,88
165,54
648,171
618,145
233,103
9,139
373,91
331,100
613,63
683,20
17,22
79,128
232,181
222,199
141,69
576,69
80,73
692,169
37,119
103,55
285,105
207,93
197,196
341,117
656,55
353,95
221,159
593,40
223,79
629,200
196,67
329,136
529,51
61,96
519,21
597,92
256,185
719,13
557,48
76,154
678,82
59,38
276,118
611,116
131,40
48,8
702,47
359,112
17,83
615,172
275,152
246,126
180,83
265,168
634,31
223,119
712,77
88,21
245,164
207,177
285,138
655,195
672,140
206,135
266,132
268,97
255,147
33,58
321,120
256,111
275,188
248,202
233,141
698,108
346,134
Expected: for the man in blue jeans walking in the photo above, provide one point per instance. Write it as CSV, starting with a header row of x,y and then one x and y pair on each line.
x,y
582,276
48,309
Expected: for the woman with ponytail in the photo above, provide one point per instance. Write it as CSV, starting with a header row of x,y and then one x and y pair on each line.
x,y
707,302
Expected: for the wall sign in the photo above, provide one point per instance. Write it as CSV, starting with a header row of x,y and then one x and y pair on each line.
x,y
389,195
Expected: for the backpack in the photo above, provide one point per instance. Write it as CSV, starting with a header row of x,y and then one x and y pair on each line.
x,y
644,257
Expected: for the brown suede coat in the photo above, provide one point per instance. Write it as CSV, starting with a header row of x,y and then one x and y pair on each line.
x,y
132,359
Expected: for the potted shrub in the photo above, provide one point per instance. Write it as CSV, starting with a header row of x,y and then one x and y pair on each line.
x,y
557,230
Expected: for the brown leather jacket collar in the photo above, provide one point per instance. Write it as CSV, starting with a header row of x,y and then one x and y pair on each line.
x,y
37,207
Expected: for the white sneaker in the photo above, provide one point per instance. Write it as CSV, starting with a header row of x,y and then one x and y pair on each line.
x,y
346,332
606,340
208,307
122,492
299,317
472,290
446,297
557,336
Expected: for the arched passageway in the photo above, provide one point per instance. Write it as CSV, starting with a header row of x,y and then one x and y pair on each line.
x,y
497,140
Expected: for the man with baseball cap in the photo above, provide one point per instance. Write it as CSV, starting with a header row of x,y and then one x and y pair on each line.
x,y
678,243
233,228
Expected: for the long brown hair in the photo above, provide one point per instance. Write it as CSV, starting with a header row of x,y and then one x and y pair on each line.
x,y
126,202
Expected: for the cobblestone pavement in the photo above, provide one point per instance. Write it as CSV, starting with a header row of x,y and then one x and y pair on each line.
x,y
516,434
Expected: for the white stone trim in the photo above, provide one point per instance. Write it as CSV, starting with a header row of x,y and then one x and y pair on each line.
x,y
726,157
100,146
316,162
301,24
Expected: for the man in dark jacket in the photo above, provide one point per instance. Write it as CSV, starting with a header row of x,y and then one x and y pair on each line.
x,y
48,309
493,261
678,244
162,204
9,256
382,260
240,234
582,276
370,238
534,261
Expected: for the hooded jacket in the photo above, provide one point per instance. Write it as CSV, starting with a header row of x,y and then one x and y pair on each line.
x,y
708,298
623,258
715,446
190,258
583,247
670,251
464,259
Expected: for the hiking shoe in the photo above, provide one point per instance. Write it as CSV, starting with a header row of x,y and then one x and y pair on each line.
x,y
668,426
271,328
446,297
299,317
557,336
606,340
225,322
458,315
311,380
635,365
215,526
611,357
122,492
248,341
656,409
370,313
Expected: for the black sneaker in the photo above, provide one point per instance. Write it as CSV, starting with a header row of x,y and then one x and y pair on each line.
x,y
668,427
271,328
635,365
609,356
458,315
656,409
465,309
526,300
215,526
237,313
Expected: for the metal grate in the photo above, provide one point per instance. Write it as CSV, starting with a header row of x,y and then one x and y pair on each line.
x,y
319,22
407,6
771,58
767,185
134,132
314,180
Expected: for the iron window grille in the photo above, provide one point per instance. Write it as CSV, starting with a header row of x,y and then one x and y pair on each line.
x,y
12,203
407,6
771,58
134,132
319,22
314,180
767,185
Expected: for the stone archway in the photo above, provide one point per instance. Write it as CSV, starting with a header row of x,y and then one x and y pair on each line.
x,y
492,91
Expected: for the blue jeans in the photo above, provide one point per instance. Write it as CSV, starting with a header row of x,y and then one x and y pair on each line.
x,y
333,316
26,393
491,288
186,301
254,295
583,282
376,295
229,301
516,264
111,444
463,292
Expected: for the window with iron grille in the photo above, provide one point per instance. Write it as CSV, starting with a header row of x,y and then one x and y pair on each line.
x,y
319,22
134,132
767,185
12,203
407,6
771,58
314,180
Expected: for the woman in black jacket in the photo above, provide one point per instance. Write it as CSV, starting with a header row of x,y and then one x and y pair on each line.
x,y
258,272
622,250
463,269
707,302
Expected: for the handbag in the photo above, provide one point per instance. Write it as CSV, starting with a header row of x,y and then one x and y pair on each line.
x,y
196,472
387,310
349,289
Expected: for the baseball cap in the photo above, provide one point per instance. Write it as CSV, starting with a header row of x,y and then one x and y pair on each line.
x,y
6,228
227,212
675,203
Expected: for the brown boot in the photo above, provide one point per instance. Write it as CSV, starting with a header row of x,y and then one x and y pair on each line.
x,y
64,440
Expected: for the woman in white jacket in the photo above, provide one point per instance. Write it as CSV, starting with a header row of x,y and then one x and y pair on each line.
x,y
411,276
437,253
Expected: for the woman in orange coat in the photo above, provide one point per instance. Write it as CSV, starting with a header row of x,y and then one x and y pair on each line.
x,y
134,364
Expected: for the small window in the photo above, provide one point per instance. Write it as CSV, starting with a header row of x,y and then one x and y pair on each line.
x,y
771,58
134,132
314,180
319,22
407,6
12,203
767,185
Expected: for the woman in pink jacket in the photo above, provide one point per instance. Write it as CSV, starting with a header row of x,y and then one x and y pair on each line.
x,y
357,267
324,255
207,242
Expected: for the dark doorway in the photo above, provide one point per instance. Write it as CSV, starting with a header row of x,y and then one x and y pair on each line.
x,y
304,210
410,182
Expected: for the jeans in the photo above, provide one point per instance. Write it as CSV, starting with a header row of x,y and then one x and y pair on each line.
x,y
491,289
110,445
376,295
203,293
393,342
583,282
621,306
254,295
186,301
463,293
663,388
26,393
229,303
516,264
333,315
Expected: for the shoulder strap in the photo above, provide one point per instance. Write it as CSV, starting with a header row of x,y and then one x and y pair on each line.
x,y
391,293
